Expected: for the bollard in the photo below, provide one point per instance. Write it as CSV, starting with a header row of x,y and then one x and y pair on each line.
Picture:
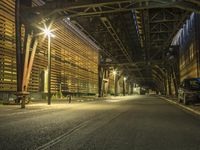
x,y
23,102
69,98
21,98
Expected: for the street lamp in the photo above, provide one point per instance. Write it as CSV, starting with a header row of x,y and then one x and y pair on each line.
x,y
124,86
114,72
115,85
48,32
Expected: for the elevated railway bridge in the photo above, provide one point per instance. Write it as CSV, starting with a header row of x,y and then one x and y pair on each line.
x,y
90,47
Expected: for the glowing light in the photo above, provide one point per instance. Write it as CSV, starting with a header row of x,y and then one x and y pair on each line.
x,y
47,31
114,72
124,78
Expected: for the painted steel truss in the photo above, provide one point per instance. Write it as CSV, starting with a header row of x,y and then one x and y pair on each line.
x,y
157,21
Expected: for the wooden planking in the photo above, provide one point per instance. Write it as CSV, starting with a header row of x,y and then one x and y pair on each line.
x,y
7,46
74,62
188,62
111,88
189,71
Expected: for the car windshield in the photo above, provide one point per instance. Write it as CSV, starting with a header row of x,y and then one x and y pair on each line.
x,y
194,84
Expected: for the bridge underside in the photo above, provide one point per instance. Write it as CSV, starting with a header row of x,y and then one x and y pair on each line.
x,y
133,35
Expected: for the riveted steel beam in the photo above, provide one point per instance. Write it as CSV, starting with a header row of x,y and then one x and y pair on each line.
x,y
114,35
192,6
106,52
147,34
89,8
168,40
194,1
160,29
135,64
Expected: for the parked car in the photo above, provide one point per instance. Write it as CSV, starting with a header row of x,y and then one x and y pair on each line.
x,y
189,91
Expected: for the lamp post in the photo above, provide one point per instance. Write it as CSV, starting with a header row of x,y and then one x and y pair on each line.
x,y
115,85
48,33
124,86
49,70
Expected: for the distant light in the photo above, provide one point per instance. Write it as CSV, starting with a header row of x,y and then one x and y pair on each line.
x,y
114,72
37,13
68,18
124,78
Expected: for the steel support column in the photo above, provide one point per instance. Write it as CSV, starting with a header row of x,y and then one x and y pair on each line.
x,y
124,87
174,77
18,45
24,58
165,86
105,81
100,77
116,85
131,88
197,28
169,83
49,70
108,81
19,59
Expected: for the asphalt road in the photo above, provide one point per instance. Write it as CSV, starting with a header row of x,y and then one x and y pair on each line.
x,y
129,123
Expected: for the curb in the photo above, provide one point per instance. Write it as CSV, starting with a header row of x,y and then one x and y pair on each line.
x,y
182,106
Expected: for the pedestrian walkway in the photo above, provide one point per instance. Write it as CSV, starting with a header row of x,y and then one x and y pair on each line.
x,y
41,105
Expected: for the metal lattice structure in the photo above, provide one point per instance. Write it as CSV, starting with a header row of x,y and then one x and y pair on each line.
x,y
133,34
129,31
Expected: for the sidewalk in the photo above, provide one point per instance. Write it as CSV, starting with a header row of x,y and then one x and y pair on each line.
x,y
56,104
41,105
195,108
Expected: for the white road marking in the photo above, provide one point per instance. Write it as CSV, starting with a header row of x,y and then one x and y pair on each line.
x,y
185,107
61,137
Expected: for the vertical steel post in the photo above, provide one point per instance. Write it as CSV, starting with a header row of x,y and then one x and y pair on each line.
x,y
30,65
49,69
197,31
19,64
108,80
115,85
175,80
131,88
100,76
169,83
102,82
164,86
99,80
124,86
18,45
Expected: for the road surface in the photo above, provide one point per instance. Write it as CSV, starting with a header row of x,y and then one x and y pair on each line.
x,y
124,123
